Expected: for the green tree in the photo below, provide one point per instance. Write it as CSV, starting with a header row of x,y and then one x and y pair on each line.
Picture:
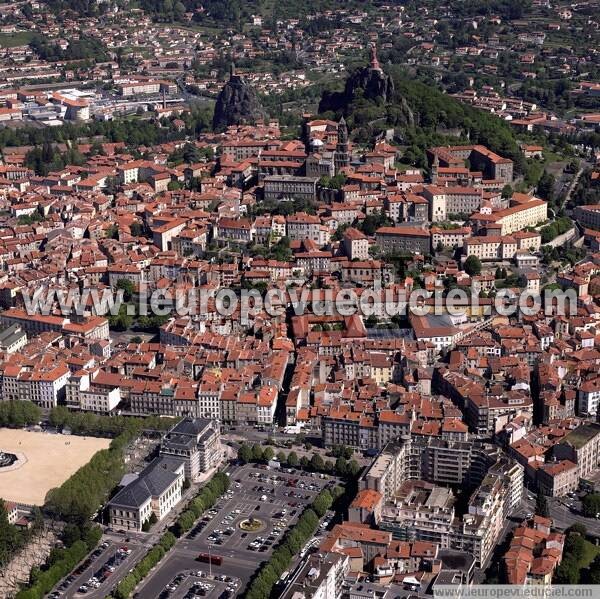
x,y
341,466
541,506
257,452
591,505
19,413
268,454
10,539
353,468
316,462
292,459
592,573
567,572
472,266
322,502
545,186
245,453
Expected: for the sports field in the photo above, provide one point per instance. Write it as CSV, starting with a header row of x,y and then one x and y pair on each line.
x,y
50,460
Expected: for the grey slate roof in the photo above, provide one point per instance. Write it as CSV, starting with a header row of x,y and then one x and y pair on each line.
x,y
158,476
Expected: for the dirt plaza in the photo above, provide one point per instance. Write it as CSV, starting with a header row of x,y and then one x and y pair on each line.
x,y
46,461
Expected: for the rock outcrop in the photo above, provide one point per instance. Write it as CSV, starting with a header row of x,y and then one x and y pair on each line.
x,y
369,82
237,104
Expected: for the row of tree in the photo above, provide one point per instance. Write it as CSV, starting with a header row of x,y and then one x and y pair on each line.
x,y
270,572
208,496
591,505
84,48
17,414
97,425
47,158
341,467
134,132
143,567
82,494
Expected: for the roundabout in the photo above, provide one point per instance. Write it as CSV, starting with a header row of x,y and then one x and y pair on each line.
x,y
252,525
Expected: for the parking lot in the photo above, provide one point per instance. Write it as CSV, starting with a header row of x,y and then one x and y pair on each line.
x,y
201,583
95,576
267,501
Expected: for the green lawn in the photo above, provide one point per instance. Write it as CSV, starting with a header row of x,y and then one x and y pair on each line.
x,y
10,40
591,551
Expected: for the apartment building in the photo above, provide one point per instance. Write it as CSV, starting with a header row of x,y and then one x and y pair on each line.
x,y
490,248
12,339
321,577
588,397
534,553
581,446
301,226
449,238
32,324
44,384
407,240
238,230
90,327
519,216
588,216
152,397
557,479
479,157
444,201
243,149
408,475
356,244
146,87
82,394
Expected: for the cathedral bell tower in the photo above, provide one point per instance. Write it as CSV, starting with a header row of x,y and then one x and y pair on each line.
x,y
342,155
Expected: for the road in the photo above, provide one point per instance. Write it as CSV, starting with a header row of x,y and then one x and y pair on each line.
x,y
563,517
96,564
561,514
571,189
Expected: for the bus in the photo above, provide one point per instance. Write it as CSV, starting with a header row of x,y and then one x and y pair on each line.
x,y
215,560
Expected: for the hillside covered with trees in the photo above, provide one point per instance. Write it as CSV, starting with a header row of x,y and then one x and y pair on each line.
x,y
424,116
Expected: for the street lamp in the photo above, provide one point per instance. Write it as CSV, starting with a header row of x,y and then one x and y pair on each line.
x,y
209,562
